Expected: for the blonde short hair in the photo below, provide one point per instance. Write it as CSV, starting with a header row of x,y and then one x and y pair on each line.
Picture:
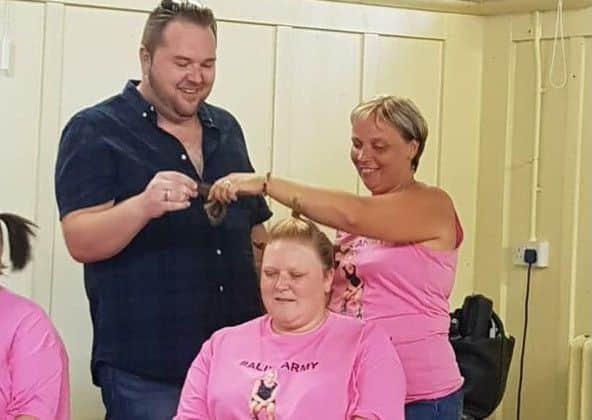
x,y
299,229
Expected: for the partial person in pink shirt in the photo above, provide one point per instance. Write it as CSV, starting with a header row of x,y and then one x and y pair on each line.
x,y
33,361
300,361
397,248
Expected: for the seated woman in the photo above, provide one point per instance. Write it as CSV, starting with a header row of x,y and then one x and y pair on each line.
x,y
33,362
300,361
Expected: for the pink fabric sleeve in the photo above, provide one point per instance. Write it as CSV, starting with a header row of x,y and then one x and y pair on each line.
x,y
193,404
379,378
38,367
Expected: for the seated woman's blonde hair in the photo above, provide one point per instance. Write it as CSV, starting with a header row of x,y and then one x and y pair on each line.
x,y
299,229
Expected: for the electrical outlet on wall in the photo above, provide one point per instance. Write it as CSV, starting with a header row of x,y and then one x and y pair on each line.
x,y
542,251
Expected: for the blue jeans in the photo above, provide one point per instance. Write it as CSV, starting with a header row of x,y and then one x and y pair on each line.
x,y
445,408
130,397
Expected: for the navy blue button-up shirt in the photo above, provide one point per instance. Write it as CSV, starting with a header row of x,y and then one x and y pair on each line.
x,y
154,304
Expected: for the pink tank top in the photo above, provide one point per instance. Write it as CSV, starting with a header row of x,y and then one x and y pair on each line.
x,y
404,288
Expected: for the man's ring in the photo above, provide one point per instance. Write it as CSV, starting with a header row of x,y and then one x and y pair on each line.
x,y
227,183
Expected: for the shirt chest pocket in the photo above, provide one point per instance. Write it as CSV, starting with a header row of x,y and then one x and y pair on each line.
x,y
132,178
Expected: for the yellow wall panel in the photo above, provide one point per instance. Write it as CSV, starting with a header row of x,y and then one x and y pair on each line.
x,y
97,62
411,68
20,93
459,126
583,269
318,84
245,84
96,65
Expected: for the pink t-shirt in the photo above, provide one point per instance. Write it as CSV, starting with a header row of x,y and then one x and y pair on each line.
x,y
403,288
33,362
341,369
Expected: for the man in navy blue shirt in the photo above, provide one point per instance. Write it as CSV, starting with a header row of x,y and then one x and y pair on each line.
x,y
159,275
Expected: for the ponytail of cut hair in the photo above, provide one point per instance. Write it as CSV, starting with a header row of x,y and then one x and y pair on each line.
x,y
20,231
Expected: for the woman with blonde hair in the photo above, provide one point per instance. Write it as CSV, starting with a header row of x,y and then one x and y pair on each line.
x,y
402,242
33,361
300,361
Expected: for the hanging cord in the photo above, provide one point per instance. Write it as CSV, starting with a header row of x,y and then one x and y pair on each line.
x,y
523,350
530,257
558,33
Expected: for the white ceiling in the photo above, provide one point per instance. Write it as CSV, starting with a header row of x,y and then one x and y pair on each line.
x,y
477,7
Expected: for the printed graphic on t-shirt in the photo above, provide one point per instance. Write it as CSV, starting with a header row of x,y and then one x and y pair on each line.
x,y
351,299
263,396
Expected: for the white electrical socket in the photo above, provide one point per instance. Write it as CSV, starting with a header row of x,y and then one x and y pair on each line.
x,y
541,248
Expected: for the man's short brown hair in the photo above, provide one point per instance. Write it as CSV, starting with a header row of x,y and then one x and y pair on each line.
x,y
170,10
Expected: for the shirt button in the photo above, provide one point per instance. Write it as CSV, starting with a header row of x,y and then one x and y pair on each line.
x,y
144,114
221,288
151,108
183,156
219,251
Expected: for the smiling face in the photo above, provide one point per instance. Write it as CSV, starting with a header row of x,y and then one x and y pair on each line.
x,y
294,285
381,155
180,73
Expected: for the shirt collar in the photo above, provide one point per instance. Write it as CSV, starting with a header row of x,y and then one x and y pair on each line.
x,y
144,108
